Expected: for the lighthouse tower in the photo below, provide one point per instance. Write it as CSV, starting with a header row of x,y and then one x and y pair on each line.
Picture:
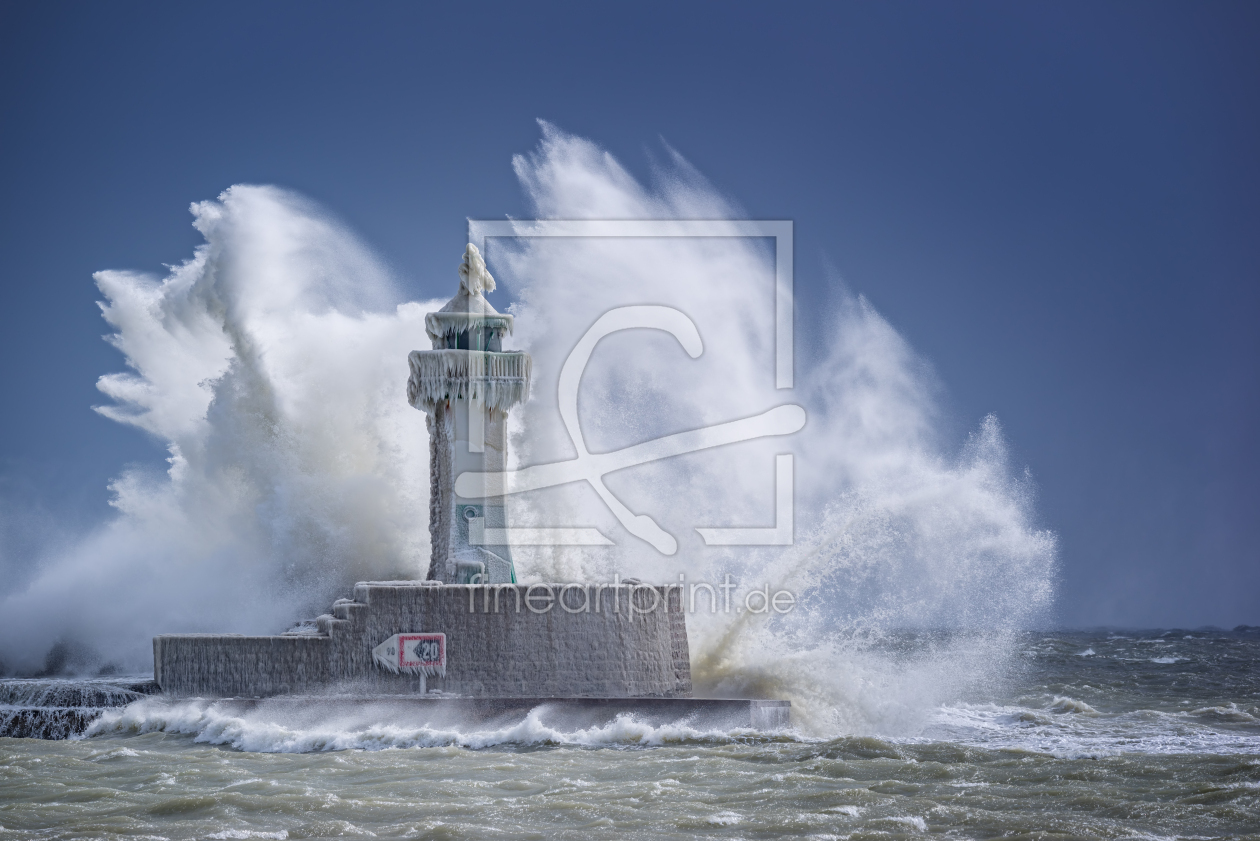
x,y
466,385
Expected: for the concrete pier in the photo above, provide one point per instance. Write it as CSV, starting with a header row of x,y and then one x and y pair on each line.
x,y
504,641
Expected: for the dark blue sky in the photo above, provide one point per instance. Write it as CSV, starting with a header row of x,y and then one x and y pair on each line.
x,y
1057,204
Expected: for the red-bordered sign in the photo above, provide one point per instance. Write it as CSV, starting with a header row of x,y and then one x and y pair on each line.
x,y
422,651
413,653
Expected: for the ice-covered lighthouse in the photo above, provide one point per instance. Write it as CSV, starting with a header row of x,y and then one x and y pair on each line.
x,y
466,385
466,640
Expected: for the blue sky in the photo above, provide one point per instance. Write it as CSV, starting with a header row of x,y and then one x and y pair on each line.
x,y
1058,205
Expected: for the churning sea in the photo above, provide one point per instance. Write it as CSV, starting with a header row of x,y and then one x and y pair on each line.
x,y
1091,735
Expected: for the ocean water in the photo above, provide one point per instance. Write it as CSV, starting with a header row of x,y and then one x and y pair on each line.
x,y
1085,735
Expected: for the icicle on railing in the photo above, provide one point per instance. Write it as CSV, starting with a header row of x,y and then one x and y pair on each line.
x,y
498,380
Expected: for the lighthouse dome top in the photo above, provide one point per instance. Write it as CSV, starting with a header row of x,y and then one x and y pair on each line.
x,y
473,275
469,314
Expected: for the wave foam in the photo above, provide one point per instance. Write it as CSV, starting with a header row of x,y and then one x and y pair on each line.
x,y
1088,733
381,726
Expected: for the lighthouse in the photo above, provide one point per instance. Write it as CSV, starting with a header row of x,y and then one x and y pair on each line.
x,y
466,385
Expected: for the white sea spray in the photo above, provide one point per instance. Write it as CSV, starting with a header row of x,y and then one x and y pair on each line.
x,y
273,368
273,364
893,529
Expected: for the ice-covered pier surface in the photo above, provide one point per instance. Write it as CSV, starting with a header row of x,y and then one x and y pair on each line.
x,y
57,708
567,713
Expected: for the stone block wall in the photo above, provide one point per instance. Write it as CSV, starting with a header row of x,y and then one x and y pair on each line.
x,y
507,640
231,665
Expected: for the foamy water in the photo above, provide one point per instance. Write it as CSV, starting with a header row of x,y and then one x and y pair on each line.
x,y
1205,706
1114,745
377,726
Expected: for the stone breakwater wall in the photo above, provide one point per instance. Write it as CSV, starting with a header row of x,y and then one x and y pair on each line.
x,y
502,640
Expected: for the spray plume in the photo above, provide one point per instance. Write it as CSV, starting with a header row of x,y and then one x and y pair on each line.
x,y
273,366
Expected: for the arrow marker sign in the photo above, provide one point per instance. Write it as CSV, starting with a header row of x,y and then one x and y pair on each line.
x,y
416,654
